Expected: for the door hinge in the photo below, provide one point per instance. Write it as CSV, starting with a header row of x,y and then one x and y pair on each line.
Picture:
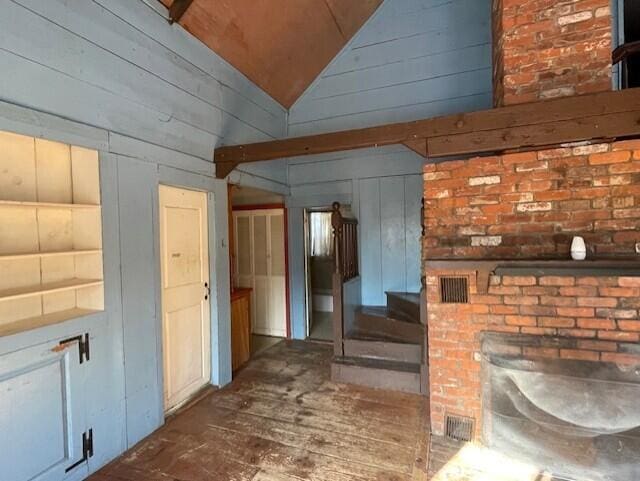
x,y
83,346
87,450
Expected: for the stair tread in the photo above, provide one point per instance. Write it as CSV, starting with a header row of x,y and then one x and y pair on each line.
x,y
362,335
406,296
381,311
388,313
384,364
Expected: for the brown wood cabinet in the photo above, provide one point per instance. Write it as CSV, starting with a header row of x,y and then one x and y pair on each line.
x,y
240,327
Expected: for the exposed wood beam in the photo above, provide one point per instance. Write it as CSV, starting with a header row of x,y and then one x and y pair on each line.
x,y
419,146
604,126
585,117
224,168
178,9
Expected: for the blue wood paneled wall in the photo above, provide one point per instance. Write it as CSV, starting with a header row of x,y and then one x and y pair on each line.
x,y
114,76
413,59
383,187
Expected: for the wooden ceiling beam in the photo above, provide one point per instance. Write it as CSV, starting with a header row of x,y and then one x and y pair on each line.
x,y
419,146
177,9
568,119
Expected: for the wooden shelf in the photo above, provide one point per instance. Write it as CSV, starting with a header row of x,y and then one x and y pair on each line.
x,y
485,268
31,255
50,233
46,205
44,320
47,288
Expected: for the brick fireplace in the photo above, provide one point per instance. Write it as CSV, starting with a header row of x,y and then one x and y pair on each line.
x,y
527,207
498,232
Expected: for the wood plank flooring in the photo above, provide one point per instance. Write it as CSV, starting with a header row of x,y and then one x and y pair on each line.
x,y
282,419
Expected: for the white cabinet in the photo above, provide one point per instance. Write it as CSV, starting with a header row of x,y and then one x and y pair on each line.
x,y
260,265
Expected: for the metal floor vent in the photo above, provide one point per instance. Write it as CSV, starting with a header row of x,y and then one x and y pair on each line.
x,y
459,428
454,290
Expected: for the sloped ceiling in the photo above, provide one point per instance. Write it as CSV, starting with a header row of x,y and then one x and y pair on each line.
x,y
281,45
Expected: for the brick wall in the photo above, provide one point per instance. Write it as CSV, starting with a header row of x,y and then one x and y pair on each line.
x,y
597,315
530,205
550,48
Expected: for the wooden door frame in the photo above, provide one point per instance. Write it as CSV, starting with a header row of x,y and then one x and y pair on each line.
x,y
307,271
240,208
213,281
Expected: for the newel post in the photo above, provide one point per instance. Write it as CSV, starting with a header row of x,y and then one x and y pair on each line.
x,y
337,224
338,326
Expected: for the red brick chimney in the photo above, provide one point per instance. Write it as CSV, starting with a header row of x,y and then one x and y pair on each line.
x,y
529,205
550,48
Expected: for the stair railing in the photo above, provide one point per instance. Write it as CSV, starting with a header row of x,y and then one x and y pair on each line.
x,y
345,249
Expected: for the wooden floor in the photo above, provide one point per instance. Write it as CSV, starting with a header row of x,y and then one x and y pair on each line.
x,y
283,419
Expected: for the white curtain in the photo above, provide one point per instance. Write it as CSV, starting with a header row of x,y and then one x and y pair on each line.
x,y
321,235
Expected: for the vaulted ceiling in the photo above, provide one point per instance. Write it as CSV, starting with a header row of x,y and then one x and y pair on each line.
x,y
281,45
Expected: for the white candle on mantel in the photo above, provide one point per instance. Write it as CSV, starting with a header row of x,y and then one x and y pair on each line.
x,y
578,249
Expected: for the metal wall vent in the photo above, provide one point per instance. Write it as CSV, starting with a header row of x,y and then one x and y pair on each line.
x,y
454,290
459,428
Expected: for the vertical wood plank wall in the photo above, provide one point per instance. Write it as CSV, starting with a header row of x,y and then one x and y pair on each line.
x,y
383,188
413,59
114,76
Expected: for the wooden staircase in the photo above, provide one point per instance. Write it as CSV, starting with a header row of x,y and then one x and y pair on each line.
x,y
381,347
384,347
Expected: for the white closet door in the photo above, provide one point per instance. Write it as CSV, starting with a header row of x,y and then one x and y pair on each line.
x,y
277,275
244,259
262,319
260,264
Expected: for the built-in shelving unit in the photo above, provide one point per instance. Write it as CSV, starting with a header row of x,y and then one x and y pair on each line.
x,y
50,233
46,205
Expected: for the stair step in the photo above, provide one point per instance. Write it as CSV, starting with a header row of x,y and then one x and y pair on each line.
x,y
404,306
374,323
373,336
377,373
356,346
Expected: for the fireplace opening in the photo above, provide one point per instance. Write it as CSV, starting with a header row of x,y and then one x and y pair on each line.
x,y
576,419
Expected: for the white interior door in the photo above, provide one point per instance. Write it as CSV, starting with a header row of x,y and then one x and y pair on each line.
x,y
260,265
185,293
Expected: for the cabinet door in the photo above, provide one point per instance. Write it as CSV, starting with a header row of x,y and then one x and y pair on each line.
x,y
42,414
261,283
244,260
277,275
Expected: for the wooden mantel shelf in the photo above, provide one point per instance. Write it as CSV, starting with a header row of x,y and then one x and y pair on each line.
x,y
485,268
600,116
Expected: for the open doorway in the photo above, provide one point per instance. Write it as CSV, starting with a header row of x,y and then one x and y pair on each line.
x,y
259,280
320,265
319,269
